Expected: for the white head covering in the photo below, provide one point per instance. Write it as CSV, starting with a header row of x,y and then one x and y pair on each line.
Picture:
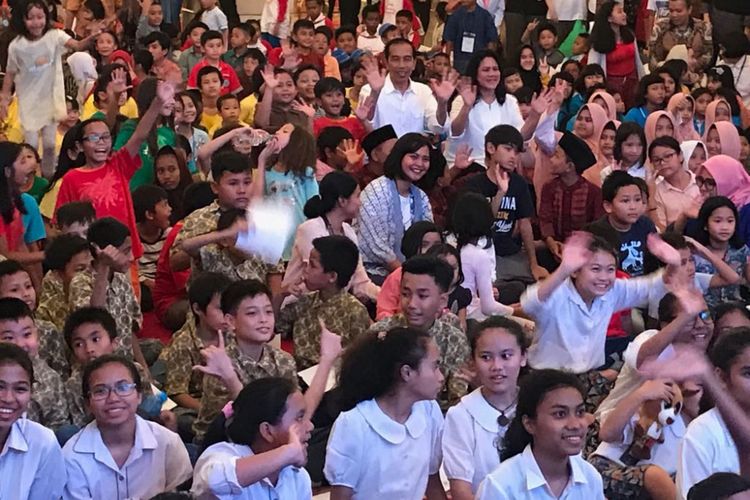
x,y
83,68
688,147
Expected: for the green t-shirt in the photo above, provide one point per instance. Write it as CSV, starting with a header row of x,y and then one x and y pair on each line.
x,y
38,188
145,175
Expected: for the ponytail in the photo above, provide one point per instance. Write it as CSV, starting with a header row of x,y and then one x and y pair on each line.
x,y
334,186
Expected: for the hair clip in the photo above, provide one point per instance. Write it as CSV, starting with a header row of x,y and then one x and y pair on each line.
x,y
382,335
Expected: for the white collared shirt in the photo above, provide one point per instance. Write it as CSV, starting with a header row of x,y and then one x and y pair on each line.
x,y
519,478
372,44
471,437
31,463
158,462
413,111
707,448
216,477
378,457
571,336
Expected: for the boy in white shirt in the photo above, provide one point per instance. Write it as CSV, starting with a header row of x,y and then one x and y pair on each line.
x,y
369,39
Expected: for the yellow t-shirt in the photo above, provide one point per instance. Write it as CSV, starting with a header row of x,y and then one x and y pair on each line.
x,y
247,109
210,122
49,200
11,127
129,109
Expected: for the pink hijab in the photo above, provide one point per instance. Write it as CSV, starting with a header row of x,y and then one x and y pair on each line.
x,y
599,119
731,178
711,111
729,137
611,107
650,127
684,131
542,169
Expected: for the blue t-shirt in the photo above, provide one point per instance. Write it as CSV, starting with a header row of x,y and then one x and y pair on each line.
x,y
469,32
295,190
33,225
632,244
637,115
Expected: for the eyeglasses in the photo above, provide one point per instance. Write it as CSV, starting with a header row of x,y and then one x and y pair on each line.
x,y
705,315
94,138
122,389
703,181
664,159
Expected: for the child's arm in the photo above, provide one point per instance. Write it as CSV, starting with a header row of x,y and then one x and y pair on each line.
x,y
116,87
219,365
185,400
435,490
254,468
613,426
330,348
575,255
724,275
526,37
206,151
164,94
539,105
83,44
5,96
527,236
263,109
342,493
191,246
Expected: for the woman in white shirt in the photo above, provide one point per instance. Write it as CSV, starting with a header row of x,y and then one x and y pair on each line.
x,y
483,103
261,447
386,443
541,456
120,455
474,428
328,214
473,222
31,463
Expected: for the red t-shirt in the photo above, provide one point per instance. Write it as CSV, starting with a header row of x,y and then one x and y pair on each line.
x,y
621,61
108,189
350,123
13,232
229,80
169,286
615,328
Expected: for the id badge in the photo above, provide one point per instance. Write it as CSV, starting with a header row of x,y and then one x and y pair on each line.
x,y
467,43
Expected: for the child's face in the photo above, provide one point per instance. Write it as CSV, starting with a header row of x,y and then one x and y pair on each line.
x,y
332,102
697,159
506,156
155,15
294,413
249,64
574,70
427,381
513,83
285,91
713,84
667,161
346,42
584,124
421,299
167,171
404,25
713,142
429,240
626,206
109,408
441,65
580,46
591,80
72,116
597,277
738,381
525,109
305,37
619,103
663,127
390,35
697,333
314,9
655,93
157,52
18,286
359,79
701,103
733,319
547,40
78,228
706,182
498,359
306,84
195,37
239,38
372,21
632,150
35,21
526,60
744,149
97,143
78,263
90,341
233,190
15,394
254,320
669,84
561,422
160,215
210,86
607,143
320,44
212,319
21,332
105,44
723,113
213,49
230,111
558,162
186,109
25,167
316,278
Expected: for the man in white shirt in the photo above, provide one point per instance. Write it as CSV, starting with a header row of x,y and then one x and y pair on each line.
x,y
736,54
397,100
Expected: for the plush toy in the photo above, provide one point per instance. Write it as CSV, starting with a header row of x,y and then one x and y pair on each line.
x,y
655,415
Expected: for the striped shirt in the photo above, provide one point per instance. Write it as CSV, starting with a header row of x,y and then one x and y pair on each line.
x,y
151,251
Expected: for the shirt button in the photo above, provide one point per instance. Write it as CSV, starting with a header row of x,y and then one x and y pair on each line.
x,y
122,478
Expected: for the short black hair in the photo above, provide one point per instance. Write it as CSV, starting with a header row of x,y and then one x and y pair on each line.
x,y
144,59
12,354
338,254
145,199
239,291
668,307
99,362
675,240
204,287
247,28
10,267
157,36
545,26
211,35
324,30
405,13
96,315
13,309
224,98
346,29
228,161
664,141
82,212
228,217
62,249
328,84
300,24
370,9
206,70
330,138
614,182
398,41
107,231
197,195
719,485
435,267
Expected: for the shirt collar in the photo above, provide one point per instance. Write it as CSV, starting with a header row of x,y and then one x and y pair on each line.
x,y
575,296
387,428
16,439
484,413
388,87
535,478
89,440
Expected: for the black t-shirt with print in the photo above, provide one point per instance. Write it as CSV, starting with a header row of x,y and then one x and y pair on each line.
x,y
632,249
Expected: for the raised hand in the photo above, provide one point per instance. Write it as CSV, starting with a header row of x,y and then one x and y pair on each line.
x,y
217,362
691,300
688,363
374,75
463,156
697,246
364,108
503,180
543,66
289,55
300,105
297,444
164,91
467,90
542,101
110,257
663,250
445,88
657,389
119,82
269,77
349,148
575,252
330,343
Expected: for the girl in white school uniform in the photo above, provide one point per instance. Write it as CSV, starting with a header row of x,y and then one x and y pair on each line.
x,y
541,456
119,455
31,463
260,448
386,443
475,427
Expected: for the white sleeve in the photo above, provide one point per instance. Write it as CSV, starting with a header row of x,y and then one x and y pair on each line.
x,y
703,281
490,490
436,457
222,19
545,133
635,292
483,272
459,444
431,123
216,474
694,463
178,468
344,452
49,477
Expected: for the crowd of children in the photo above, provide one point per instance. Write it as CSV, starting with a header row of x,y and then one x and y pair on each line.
x,y
518,265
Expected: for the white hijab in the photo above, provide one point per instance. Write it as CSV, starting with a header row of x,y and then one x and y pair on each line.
x,y
83,68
